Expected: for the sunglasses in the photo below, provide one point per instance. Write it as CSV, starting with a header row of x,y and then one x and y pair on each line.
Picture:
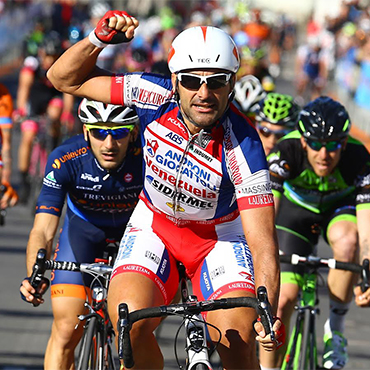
x,y
194,82
330,146
101,132
266,132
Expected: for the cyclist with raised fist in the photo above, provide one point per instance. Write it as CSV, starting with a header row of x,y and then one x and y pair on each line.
x,y
206,186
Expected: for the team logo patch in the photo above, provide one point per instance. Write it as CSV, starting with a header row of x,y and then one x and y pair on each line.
x,y
178,208
56,164
152,146
128,177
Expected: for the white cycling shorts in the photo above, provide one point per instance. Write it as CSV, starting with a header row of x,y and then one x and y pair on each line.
x,y
216,257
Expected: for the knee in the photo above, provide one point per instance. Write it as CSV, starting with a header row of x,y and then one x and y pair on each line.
x,y
344,245
287,301
29,126
65,332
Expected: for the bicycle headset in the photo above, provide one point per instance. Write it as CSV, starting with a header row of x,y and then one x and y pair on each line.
x,y
324,119
278,109
91,112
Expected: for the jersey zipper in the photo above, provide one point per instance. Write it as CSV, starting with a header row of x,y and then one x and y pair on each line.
x,y
177,191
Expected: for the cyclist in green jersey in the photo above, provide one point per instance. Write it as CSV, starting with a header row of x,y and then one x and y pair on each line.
x,y
276,115
320,177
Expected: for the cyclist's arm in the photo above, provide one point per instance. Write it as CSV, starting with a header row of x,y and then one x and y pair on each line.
x,y
26,80
259,228
41,236
75,72
10,197
363,222
6,153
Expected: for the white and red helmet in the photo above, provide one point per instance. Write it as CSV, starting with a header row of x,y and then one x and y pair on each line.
x,y
203,47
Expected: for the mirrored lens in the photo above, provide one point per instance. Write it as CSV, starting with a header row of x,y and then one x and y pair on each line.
x,y
117,134
193,82
330,146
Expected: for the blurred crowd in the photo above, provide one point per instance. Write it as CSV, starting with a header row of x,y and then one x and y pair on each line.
x,y
334,50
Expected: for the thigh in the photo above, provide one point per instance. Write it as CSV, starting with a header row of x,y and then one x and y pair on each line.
x,y
298,231
82,242
228,267
142,252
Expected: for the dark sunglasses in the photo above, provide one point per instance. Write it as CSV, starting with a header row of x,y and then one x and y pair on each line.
x,y
101,132
330,146
194,82
266,132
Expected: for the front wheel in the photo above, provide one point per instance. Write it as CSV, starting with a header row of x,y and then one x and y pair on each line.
x,y
200,367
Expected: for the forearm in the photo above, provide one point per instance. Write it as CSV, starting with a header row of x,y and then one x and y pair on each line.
x,y
259,228
363,219
36,241
41,236
267,273
7,155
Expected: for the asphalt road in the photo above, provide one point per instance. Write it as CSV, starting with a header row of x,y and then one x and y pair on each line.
x,y
24,330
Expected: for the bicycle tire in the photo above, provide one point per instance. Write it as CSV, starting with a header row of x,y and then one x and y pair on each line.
x,y
87,359
200,367
313,347
110,358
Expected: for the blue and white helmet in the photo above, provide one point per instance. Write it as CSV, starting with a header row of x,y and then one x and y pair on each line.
x,y
91,112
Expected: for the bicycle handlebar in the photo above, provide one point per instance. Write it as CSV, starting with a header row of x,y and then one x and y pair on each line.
x,y
318,262
126,319
42,264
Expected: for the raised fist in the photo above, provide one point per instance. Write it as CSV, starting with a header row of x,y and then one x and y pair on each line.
x,y
115,27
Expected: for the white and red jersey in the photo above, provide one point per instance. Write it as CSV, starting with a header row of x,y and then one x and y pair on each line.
x,y
207,177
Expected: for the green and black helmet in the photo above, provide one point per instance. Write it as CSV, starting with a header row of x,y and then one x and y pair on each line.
x,y
324,119
278,109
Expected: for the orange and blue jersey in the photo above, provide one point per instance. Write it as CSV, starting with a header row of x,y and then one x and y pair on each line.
x,y
105,199
99,205
6,107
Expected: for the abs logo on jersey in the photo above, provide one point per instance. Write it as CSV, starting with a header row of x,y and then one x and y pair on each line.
x,y
175,138
152,146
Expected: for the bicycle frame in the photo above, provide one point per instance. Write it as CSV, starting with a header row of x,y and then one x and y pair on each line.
x,y
301,351
195,331
97,340
98,317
